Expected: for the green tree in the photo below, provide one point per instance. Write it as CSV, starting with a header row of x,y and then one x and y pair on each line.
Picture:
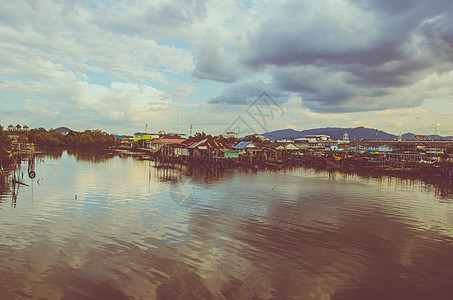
x,y
252,138
46,139
229,141
5,144
200,134
89,139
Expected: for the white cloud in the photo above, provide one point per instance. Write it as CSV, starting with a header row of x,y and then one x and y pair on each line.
x,y
121,64
211,60
122,102
67,36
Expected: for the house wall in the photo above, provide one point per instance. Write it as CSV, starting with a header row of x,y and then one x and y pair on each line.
x,y
434,151
150,136
181,151
231,154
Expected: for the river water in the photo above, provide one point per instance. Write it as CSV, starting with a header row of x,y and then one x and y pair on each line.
x,y
108,227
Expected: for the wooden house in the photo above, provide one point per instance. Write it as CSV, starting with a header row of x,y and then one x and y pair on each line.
x,y
202,146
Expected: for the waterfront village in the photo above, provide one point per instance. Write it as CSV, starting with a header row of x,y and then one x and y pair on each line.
x,y
420,156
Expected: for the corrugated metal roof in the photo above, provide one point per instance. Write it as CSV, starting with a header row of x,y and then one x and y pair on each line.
x,y
291,147
197,143
242,145
204,142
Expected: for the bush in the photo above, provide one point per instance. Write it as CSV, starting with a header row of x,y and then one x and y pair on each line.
x,y
89,139
5,144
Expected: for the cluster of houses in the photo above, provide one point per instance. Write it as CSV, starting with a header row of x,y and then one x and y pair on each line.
x,y
260,148
17,129
254,145
175,144
18,136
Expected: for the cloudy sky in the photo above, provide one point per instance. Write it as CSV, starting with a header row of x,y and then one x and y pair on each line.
x,y
118,65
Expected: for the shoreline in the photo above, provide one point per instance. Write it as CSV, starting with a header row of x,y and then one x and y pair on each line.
x,y
357,164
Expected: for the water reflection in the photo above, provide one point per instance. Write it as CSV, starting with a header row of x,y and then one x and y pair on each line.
x,y
120,228
174,172
54,154
91,155
441,187
5,187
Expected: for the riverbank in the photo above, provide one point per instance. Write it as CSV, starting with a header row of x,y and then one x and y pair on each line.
x,y
122,228
402,165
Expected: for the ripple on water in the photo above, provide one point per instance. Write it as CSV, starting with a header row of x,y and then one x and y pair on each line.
x,y
113,228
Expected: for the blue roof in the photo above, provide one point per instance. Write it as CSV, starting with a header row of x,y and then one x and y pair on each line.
x,y
242,145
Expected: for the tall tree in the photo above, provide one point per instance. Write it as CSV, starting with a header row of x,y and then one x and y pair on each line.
x,y
5,143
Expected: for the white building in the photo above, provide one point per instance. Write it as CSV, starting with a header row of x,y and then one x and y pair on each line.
x,y
319,142
229,134
316,138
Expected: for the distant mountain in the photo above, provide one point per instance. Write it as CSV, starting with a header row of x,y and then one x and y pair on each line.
x,y
407,136
63,130
337,133
283,134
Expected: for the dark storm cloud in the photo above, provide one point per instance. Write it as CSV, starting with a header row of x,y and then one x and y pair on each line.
x,y
439,35
245,94
337,100
304,33
307,79
299,35
334,90
337,94
396,74
351,56
205,69
392,6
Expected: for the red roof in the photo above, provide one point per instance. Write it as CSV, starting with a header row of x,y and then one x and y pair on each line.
x,y
172,136
168,140
204,142
420,137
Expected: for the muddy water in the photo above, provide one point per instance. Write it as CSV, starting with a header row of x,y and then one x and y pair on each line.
x,y
119,228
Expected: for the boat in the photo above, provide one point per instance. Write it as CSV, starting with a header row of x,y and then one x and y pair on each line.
x,y
272,165
246,164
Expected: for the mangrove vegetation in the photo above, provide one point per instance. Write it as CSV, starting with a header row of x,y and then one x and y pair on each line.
x,y
89,139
